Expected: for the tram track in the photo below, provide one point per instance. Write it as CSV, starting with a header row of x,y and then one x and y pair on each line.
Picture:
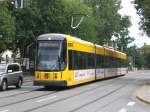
x,y
74,95
35,90
16,94
76,109
17,102
38,96
54,92
23,93
104,96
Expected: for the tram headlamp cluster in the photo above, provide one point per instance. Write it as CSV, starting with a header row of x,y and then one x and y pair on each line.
x,y
38,76
55,76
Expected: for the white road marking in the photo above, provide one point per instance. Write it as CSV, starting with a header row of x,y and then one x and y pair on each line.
x,y
123,110
45,99
131,103
4,111
93,85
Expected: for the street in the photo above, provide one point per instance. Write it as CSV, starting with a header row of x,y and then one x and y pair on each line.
x,y
111,95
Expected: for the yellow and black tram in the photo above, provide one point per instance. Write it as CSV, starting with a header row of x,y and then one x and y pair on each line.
x,y
63,60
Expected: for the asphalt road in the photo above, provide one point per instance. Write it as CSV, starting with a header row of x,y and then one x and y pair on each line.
x,y
113,95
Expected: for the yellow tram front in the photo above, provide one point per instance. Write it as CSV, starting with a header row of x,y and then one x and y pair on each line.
x,y
51,60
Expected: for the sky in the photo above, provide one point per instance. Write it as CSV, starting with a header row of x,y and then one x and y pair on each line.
x,y
128,9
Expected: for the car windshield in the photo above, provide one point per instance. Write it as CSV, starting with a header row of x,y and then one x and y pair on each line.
x,y
2,67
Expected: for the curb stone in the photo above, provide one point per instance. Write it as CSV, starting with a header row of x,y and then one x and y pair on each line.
x,y
143,94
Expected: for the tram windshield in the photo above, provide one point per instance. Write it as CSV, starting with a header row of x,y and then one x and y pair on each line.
x,y
51,55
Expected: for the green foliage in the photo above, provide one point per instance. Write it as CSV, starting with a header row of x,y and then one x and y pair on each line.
x,y
110,23
140,56
143,9
87,29
54,16
145,52
148,60
7,26
137,59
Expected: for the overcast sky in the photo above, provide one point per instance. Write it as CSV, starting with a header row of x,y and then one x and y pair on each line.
x,y
128,9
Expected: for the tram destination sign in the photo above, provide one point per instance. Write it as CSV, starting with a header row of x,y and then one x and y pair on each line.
x,y
49,44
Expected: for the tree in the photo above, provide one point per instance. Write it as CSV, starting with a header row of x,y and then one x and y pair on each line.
x,y
87,30
54,16
145,52
38,18
137,57
7,26
124,39
109,22
51,17
143,9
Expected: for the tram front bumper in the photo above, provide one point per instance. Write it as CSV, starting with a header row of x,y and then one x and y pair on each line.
x,y
50,83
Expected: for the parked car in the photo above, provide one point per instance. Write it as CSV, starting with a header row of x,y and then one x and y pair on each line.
x,y
10,74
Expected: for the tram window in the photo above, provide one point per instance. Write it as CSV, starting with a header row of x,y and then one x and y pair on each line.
x,y
106,62
113,62
63,55
118,63
99,61
85,60
81,60
103,61
70,60
90,61
75,60
123,63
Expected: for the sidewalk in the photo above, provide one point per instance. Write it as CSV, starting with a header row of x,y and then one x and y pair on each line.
x,y
143,93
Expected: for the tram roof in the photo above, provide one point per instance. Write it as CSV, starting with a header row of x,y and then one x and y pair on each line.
x,y
51,36
57,36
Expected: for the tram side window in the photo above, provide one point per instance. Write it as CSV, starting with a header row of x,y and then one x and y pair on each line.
x,y
71,60
80,60
115,62
108,62
123,63
103,61
75,60
118,63
90,61
99,61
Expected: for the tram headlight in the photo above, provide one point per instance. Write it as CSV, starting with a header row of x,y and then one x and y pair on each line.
x,y
55,76
37,76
